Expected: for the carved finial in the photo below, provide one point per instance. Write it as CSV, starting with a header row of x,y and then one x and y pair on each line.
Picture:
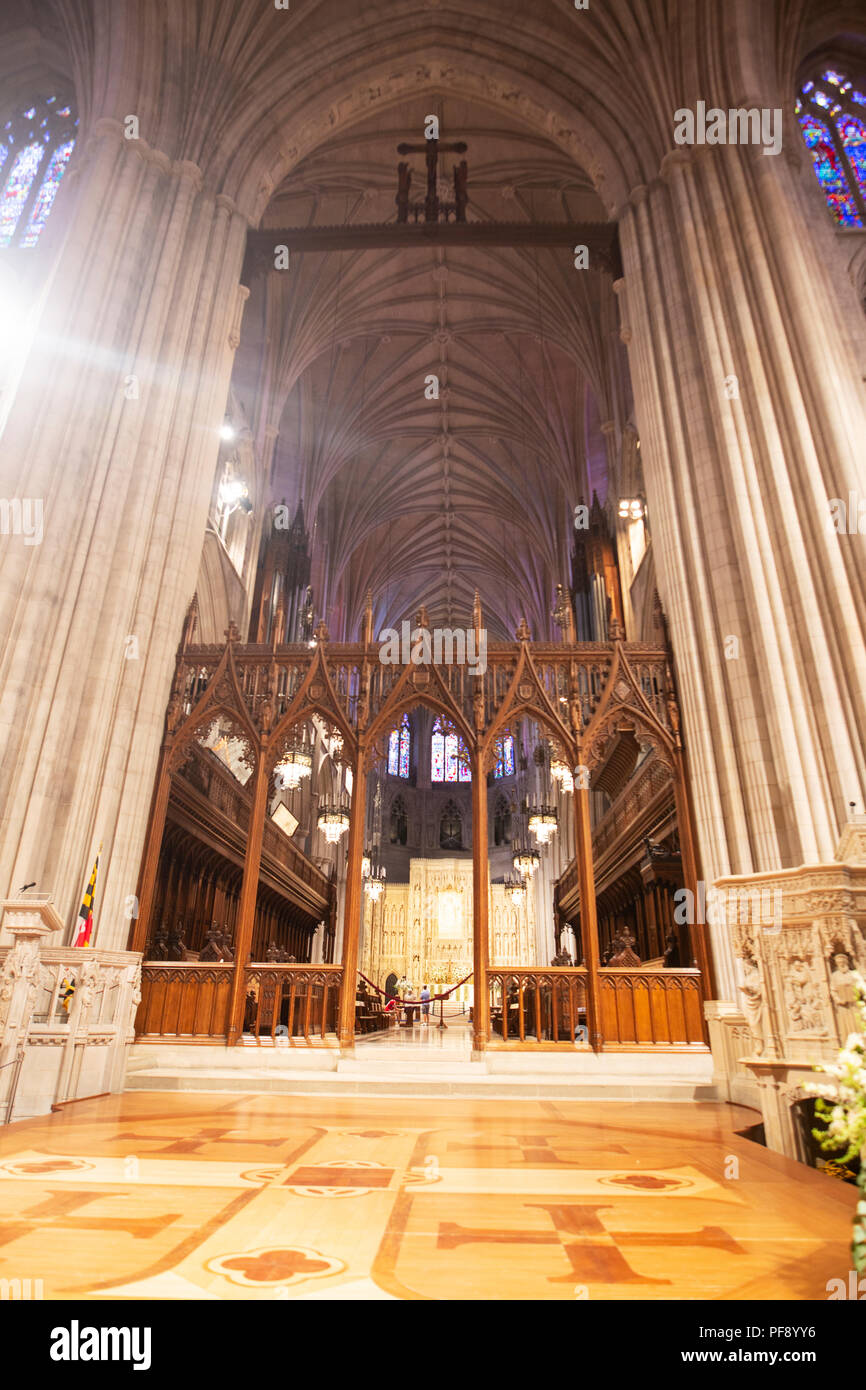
x,y
189,622
279,620
321,633
477,618
231,633
563,614
421,618
614,631
523,634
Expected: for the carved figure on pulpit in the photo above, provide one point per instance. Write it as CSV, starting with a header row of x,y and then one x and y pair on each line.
x,y
804,1009
753,999
843,992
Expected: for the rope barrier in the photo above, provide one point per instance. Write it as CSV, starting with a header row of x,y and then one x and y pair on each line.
x,y
434,998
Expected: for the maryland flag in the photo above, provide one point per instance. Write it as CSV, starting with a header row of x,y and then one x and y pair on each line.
x,y
67,992
84,924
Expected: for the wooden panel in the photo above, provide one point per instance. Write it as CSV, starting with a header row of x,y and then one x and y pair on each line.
x,y
184,1001
676,1013
643,1016
659,1010
693,1011
303,1000
652,1008
625,1010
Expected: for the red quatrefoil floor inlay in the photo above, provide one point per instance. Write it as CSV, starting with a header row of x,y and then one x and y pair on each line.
x,y
34,1168
288,1264
645,1182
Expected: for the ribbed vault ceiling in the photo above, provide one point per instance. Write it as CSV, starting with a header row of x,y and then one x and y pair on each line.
x,y
417,498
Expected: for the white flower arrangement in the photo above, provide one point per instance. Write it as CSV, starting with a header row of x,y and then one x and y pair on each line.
x,y
842,1105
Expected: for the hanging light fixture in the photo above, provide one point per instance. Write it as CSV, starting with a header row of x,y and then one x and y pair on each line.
x,y
375,883
366,863
526,861
559,770
515,889
543,823
333,820
295,764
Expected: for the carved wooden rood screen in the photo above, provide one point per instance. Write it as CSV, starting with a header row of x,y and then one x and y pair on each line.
x,y
580,695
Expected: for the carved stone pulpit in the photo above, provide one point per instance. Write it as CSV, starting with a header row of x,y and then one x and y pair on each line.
x,y
28,921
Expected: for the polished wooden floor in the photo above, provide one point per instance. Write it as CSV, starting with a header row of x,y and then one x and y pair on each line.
x,y
149,1195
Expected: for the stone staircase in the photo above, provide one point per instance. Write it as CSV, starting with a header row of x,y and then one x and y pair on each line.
x,y
415,1073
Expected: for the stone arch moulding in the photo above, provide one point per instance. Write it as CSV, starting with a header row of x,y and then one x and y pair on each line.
x,y
492,82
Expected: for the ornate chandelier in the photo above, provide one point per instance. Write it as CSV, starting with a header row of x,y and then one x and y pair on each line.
x,y
543,823
295,764
526,862
333,821
375,883
515,889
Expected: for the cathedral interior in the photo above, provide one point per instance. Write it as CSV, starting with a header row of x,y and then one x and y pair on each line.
x,y
433,647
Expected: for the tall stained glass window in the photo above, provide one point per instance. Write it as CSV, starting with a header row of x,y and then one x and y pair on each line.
x,y
398,749
449,756
832,117
504,757
36,145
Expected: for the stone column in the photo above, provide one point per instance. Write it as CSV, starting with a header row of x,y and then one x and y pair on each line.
x,y
746,434
115,428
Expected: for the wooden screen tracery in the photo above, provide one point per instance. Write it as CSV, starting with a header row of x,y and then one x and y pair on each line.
x,y
580,694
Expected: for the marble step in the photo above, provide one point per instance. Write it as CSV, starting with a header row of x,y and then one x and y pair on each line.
x,y
410,1063
469,1085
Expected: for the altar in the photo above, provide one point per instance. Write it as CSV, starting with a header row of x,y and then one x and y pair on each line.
x,y
422,930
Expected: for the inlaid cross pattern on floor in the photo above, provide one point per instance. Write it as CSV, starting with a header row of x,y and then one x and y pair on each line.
x,y
263,1197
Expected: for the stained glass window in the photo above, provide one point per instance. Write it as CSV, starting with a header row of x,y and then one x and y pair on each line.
x,y
17,189
504,757
449,757
47,190
836,139
853,135
36,145
398,749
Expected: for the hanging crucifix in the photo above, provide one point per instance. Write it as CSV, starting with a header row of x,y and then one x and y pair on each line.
x,y
432,205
